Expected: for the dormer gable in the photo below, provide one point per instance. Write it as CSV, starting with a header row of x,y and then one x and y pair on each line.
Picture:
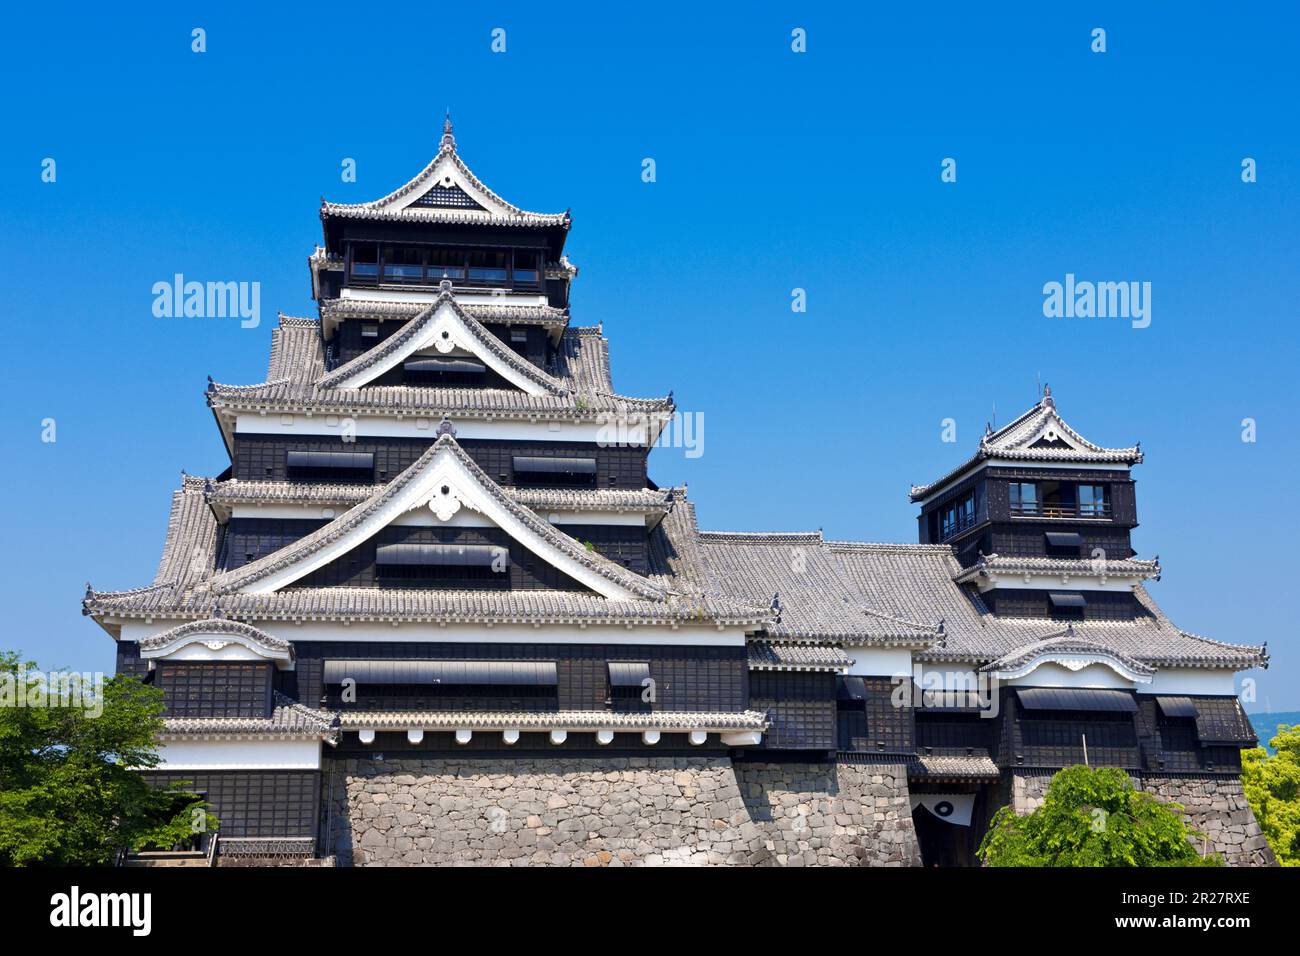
x,y
441,484
217,640
1072,653
445,328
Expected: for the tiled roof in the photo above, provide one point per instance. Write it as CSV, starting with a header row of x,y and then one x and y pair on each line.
x,y
491,312
563,719
783,656
977,766
421,606
1039,435
907,594
185,591
900,586
191,539
1066,567
1067,643
214,626
799,578
395,206
916,582
288,719
224,494
580,384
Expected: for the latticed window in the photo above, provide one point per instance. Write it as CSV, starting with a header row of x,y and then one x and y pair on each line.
x,y
447,197
253,803
215,689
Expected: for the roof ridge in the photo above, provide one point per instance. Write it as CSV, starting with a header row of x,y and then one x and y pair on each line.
x,y
763,536
1262,649
890,546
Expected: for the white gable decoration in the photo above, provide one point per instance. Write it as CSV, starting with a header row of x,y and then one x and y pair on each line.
x,y
445,330
444,485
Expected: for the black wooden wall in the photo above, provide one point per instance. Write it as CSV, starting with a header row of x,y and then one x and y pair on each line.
x,y
265,457
252,803
801,707
686,678
215,689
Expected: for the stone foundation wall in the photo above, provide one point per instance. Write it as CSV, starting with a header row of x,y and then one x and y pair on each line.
x,y
616,812
1028,791
1217,806
830,814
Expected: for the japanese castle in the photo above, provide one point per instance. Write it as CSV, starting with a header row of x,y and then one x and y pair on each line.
x,y
436,611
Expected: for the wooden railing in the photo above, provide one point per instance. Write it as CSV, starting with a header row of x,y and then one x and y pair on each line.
x,y
1041,510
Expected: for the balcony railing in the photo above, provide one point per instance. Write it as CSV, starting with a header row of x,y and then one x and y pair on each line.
x,y
1035,509
394,275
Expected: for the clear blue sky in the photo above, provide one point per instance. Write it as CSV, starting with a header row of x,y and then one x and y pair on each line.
x,y
775,170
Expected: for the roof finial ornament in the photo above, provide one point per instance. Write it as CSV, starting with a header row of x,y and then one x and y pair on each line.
x,y
448,140
1047,396
776,605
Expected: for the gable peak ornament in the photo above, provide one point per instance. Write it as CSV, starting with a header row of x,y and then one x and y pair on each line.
x,y
444,502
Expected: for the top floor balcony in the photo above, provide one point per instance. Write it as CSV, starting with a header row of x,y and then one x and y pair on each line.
x,y
1054,499
393,266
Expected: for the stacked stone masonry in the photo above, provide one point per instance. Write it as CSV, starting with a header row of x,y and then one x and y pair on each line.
x,y
1217,807
693,811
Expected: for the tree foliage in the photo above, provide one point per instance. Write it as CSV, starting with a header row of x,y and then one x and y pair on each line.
x,y
68,793
1272,785
1093,817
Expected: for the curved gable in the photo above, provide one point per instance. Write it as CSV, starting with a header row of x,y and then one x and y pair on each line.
x,y
1070,653
443,327
216,639
444,480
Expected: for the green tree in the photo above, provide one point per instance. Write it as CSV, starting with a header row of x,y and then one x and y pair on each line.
x,y
1093,816
68,793
1272,785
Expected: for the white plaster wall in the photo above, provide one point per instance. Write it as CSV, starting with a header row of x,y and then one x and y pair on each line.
x,y
1193,681
479,634
879,661
240,755
1054,675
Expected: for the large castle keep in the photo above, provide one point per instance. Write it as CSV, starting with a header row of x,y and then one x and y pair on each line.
x,y
436,611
